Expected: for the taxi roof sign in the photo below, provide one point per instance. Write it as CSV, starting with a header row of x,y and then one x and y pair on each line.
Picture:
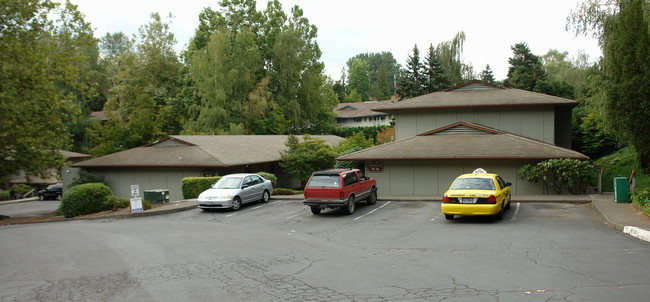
x,y
479,171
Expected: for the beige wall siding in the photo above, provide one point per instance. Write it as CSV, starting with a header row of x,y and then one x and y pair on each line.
x,y
433,178
533,122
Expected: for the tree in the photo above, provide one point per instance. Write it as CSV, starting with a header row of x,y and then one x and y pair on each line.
x,y
627,66
487,75
525,68
39,74
450,56
434,74
303,157
375,62
358,79
411,84
144,85
383,87
358,139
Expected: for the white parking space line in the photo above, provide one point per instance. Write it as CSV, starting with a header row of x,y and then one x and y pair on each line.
x,y
244,211
434,218
301,213
514,216
364,215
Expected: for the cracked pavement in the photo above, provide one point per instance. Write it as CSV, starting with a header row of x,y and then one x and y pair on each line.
x,y
550,252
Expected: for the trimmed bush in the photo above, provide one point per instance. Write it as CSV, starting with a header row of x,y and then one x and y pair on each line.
x,y
283,191
21,189
5,195
268,176
193,186
85,199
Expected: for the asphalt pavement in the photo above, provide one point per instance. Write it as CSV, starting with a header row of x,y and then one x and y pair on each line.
x,y
623,217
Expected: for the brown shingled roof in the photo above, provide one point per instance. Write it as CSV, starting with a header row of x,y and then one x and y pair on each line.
x,y
486,143
476,94
359,109
202,151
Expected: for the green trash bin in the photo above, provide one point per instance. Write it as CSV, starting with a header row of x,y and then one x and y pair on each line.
x,y
621,190
157,196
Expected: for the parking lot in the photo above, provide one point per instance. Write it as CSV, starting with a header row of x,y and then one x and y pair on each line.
x,y
279,251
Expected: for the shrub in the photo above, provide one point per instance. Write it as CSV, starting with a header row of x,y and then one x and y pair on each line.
x,y
85,199
86,177
283,191
5,195
641,197
115,203
268,176
193,186
559,175
21,189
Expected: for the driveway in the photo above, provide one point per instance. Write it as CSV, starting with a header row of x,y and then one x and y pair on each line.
x,y
279,251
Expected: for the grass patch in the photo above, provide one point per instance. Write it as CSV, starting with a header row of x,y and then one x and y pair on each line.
x,y
620,164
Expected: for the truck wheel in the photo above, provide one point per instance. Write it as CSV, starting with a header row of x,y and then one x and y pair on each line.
x,y
349,208
315,210
372,199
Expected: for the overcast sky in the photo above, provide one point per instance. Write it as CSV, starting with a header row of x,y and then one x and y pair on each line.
x,y
349,27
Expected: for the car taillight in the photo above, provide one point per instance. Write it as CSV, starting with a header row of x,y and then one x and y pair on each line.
x,y
341,195
491,199
445,198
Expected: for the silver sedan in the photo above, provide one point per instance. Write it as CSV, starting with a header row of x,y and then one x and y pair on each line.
x,y
233,190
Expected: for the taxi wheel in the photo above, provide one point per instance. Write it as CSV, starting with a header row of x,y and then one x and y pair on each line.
x,y
349,208
508,204
499,216
449,217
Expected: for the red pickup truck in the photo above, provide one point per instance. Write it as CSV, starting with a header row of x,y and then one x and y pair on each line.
x,y
337,188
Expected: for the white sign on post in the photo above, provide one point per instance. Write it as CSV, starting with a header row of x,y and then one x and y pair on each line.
x,y
135,190
136,205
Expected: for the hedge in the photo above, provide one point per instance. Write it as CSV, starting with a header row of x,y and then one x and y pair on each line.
x,y
86,199
5,195
268,176
193,186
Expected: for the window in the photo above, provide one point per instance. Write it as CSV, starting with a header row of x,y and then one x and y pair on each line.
x,y
361,176
257,180
324,181
350,178
502,183
473,184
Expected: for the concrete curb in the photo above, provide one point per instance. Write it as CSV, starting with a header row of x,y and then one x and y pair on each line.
x,y
637,232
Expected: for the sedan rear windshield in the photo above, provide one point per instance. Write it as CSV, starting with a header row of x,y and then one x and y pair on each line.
x,y
228,183
473,184
324,181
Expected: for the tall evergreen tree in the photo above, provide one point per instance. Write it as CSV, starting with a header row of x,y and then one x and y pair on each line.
x,y
487,75
383,88
627,66
435,77
525,68
411,84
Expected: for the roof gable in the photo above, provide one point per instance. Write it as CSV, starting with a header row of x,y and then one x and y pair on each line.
x,y
462,128
476,94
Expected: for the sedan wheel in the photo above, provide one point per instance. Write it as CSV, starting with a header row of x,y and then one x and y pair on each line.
x,y
265,196
41,197
349,208
236,204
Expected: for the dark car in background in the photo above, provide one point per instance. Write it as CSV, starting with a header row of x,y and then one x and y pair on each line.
x,y
54,191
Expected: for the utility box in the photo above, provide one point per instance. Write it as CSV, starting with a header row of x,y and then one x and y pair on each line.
x,y
159,196
621,191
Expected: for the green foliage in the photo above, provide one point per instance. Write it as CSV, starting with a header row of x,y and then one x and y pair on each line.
x,y
627,66
450,54
193,186
559,175
85,199
369,132
620,164
21,189
435,77
641,198
5,195
41,64
268,176
358,79
358,139
487,75
114,203
86,177
382,86
303,157
525,68
411,83
350,164
283,191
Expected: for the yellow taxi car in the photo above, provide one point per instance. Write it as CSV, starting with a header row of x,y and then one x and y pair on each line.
x,y
479,193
